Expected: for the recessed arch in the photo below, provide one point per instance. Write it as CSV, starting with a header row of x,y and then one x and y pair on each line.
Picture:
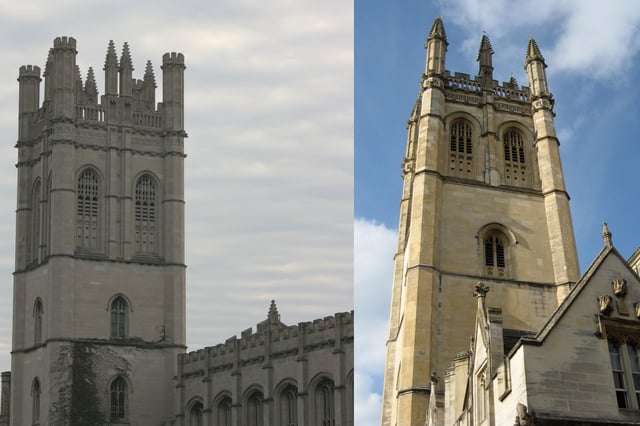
x,y
286,396
119,390
252,401
195,409
38,319
222,408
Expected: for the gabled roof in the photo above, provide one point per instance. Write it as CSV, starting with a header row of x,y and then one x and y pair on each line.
x,y
538,339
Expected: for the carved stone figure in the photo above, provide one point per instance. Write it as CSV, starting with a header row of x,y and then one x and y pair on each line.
x,y
524,417
604,302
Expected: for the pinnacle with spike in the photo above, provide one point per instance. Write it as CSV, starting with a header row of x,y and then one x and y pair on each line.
x,y
274,316
437,31
606,235
90,83
485,46
533,52
111,61
125,58
149,76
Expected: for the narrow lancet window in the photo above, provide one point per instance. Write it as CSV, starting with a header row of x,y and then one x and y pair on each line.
x,y
87,210
119,311
145,216
494,254
515,167
118,398
461,149
324,404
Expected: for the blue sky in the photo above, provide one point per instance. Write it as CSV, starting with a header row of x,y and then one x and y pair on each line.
x,y
592,55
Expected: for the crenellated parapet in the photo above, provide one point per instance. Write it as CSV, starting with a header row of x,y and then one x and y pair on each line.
x,y
126,101
462,88
276,362
283,341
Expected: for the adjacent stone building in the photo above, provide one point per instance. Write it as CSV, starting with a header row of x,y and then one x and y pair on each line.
x,y
582,367
277,375
99,282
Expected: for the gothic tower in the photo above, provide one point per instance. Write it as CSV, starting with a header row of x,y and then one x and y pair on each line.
x,y
99,282
483,200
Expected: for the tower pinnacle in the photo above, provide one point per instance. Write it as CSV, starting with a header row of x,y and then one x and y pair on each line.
x,y
437,31
533,52
436,48
486,63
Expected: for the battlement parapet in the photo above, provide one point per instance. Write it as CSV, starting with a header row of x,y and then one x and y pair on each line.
x,y
173,58
317,334
29,71
64,43
508,90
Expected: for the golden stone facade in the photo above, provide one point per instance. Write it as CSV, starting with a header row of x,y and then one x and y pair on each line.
x,y
483,200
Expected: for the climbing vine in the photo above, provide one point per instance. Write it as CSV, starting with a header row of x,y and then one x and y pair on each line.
x,y
81,373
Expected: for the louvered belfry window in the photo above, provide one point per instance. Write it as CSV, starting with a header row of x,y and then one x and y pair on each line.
x,y
87,211
146,216
460,149
515,167
494,255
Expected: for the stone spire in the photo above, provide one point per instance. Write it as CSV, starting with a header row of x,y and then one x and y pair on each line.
x,y
111,71
126,71
437,31
273,316
90,87
436,48
534,65
486,62
606,235
149,86
79,85
533,52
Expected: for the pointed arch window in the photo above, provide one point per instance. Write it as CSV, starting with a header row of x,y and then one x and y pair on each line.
x,y
195,414
38,313
119,317
288,406
87,210
224,412
515,167
254,409
460,148
35,401
495,254
145,215
118,398
324,403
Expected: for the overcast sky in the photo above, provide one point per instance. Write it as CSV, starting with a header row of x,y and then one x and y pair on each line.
x,y
269,167
591,49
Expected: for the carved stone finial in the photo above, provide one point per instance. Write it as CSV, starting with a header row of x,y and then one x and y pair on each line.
x,y
524,417
606,235
619,286
604,303
480,290
273,314
434,378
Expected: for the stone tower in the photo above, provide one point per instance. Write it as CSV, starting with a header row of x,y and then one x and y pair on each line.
x,y
99,282
483,200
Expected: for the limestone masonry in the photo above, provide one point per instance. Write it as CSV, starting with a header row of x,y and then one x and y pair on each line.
x,y
99,282
484,205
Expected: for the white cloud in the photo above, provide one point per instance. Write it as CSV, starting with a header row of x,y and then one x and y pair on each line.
x,y
373,267
587,37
